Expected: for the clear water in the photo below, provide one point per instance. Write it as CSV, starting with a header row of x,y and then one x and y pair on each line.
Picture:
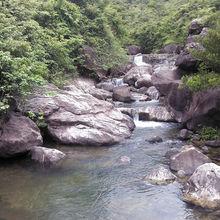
x,y
93,184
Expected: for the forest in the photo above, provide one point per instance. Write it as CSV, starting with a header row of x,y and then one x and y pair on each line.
x,y
41,40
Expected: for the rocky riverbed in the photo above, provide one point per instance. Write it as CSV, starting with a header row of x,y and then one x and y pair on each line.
x,y
150,165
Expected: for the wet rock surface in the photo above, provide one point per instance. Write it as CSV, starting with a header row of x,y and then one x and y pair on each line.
x,y
160,175
203,187
155,113
46,156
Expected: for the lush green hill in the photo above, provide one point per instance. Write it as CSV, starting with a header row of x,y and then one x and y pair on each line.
x,y
41,40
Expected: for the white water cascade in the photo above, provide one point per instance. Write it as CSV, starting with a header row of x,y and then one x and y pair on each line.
x,y
138,60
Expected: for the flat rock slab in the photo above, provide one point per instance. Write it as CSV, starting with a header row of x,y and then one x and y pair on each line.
x,y
77,118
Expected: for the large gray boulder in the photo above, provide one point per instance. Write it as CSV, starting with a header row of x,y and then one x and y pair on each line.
x,y
144,81
18,136
122,94
136,73
188,160
203,187
187,62
46,156
195,109
78,118
155,113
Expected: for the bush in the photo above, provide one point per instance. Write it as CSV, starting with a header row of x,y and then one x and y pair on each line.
x,y
202,80
209,133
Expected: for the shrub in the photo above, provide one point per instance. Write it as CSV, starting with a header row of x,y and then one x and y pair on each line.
x,y
209,133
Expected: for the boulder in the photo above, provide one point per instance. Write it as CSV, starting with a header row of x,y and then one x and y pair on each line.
x,y
203,187
185,134
172,49
204,109
122,94
156,113
108,86
188,159
18,135
46,156
78,118
136,73
134,50
213,143
155,139
164,86
160,175
185,61
153,93
144,81
179,100
91,64
195,27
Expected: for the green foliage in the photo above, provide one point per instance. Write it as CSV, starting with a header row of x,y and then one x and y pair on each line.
x,y
41,41
209,133
211,54
153,23
39,119
202,80
208,75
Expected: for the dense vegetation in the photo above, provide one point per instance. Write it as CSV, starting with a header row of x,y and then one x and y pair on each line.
x,y
41,40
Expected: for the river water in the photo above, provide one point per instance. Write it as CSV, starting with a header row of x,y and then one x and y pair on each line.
x,y
93,184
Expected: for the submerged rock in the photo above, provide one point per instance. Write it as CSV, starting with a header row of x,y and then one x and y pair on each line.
x,y
125,160
155,139
188,160
160,175
203,187
76,117
46,156
18,135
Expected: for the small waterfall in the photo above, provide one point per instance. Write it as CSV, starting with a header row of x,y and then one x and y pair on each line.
x,y
118,82
138,60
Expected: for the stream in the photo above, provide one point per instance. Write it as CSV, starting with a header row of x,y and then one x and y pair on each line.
x,y
92,183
